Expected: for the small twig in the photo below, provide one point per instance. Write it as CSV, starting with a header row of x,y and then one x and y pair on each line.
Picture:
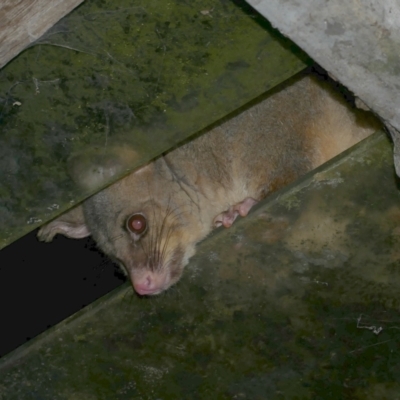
x,y
372,328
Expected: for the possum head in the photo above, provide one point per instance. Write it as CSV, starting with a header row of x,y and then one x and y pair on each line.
x,y
145,222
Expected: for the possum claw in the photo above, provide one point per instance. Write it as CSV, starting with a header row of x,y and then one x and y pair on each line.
x,y
228,217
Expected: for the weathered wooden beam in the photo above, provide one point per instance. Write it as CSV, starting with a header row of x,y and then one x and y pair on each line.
x,y
24,21
357,42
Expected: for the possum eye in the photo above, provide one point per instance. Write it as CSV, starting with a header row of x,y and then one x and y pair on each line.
x,y
136,223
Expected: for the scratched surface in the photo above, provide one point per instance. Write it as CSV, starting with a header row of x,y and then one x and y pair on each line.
x,y
297,301
142,75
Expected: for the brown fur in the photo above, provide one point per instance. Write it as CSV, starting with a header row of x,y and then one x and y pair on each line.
x,y
248,155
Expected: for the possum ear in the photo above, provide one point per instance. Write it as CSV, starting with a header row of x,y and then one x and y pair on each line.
x,y
93,169
71,224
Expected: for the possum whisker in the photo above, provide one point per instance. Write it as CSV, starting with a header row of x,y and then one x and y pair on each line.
x,y
144,248
170,214
129,296
165,245
158,235
152,237
117,237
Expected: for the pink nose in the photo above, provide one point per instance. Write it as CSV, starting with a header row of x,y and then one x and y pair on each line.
x,y
146,285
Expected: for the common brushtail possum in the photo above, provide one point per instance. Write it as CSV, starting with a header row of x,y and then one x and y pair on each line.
x,y
150,221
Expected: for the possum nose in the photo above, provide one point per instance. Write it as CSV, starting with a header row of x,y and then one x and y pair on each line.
x,y
148,284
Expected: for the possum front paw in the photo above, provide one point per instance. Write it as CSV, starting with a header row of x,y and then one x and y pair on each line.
x,y
47,232
228,217
71,224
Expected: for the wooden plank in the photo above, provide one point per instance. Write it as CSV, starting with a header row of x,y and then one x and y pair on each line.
x,y
24,21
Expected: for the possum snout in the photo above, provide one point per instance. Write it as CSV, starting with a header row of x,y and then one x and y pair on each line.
x,y
150,279
150,282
